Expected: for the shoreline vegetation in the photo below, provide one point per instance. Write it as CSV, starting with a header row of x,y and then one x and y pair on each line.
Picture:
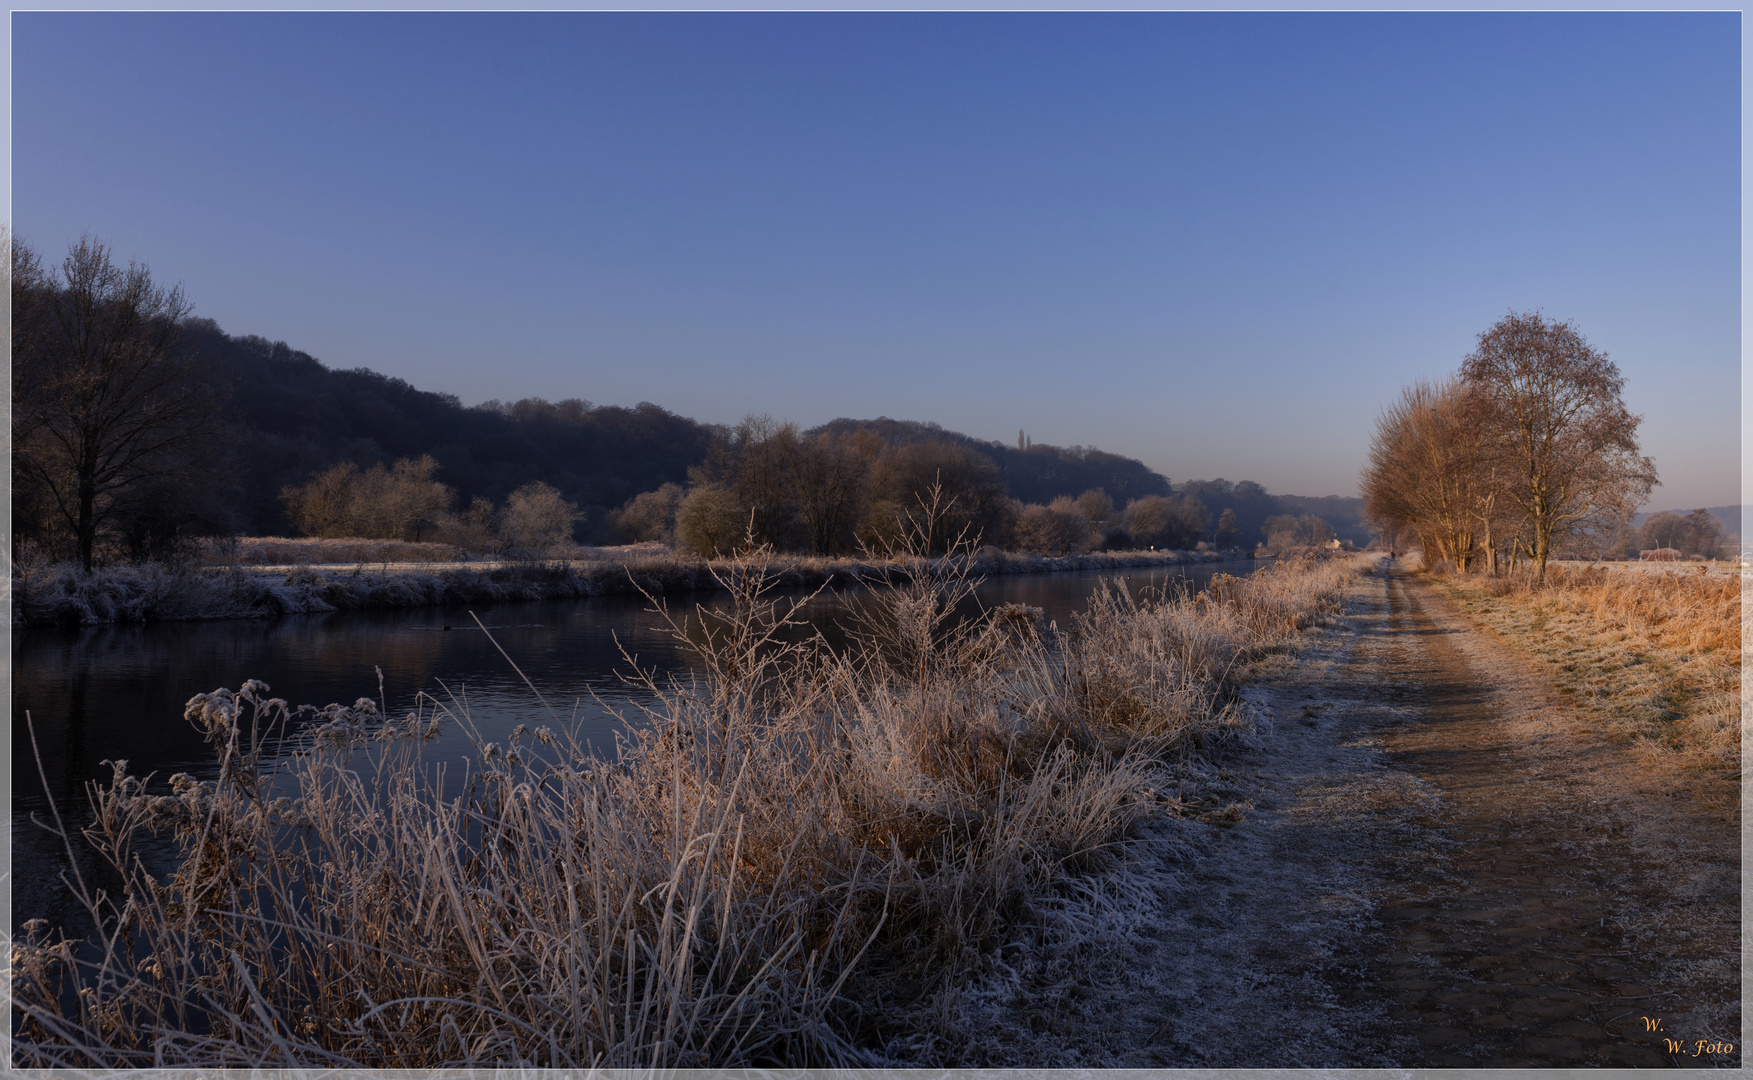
x,y
387,574
798,859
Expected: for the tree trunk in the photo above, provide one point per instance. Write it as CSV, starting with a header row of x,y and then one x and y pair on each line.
x,y
85,529
1540,520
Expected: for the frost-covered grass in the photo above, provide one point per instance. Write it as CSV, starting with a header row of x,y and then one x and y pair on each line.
x,y
310,550
776,867
63,594
1657,653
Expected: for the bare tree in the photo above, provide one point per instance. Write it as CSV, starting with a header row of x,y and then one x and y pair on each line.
x,y
1705,533
417,495
1096,507
764,479
832,478
1227,529
651,515
536,517
1423,470
323,506
104,399
470,528
710,521
1056,529
1554,402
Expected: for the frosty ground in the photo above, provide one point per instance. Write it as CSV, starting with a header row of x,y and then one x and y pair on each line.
x,y
1430,860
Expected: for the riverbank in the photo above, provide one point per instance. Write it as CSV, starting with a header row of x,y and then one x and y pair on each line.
x,y
61,594
797,860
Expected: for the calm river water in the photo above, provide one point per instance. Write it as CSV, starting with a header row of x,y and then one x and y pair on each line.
x,y
118,692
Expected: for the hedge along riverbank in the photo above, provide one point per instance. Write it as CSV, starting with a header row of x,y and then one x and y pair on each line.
x,y
61,594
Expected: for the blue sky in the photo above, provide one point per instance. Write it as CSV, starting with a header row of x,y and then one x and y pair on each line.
x,y
1219,243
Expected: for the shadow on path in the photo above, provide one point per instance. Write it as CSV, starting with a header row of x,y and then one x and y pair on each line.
x,y
1526,941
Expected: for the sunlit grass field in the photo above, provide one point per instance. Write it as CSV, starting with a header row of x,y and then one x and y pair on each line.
x,y
1654,653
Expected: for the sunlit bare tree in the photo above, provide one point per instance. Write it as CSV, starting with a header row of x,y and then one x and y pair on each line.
x,y
1554,403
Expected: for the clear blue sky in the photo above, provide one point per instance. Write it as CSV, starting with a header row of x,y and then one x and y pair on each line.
x,y
1219,243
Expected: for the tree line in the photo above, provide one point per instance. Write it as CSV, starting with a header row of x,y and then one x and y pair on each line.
x,y
796,491
137,425
1527,448
825,492
844,488
1696,535
407,502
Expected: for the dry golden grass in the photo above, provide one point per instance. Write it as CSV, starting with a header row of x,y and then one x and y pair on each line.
x,y
781,856
1657,654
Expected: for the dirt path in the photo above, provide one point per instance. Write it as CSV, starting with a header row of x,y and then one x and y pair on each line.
x,y
1581,915
1441,866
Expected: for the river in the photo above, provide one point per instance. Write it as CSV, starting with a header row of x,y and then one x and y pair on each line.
x,y
117,692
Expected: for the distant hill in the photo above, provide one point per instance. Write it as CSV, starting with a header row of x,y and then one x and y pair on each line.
x,y
1037,473
295,417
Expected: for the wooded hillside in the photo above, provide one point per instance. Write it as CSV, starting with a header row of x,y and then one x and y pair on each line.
x,y
226,435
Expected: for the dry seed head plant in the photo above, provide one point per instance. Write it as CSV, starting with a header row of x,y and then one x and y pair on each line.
x,y
784,855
